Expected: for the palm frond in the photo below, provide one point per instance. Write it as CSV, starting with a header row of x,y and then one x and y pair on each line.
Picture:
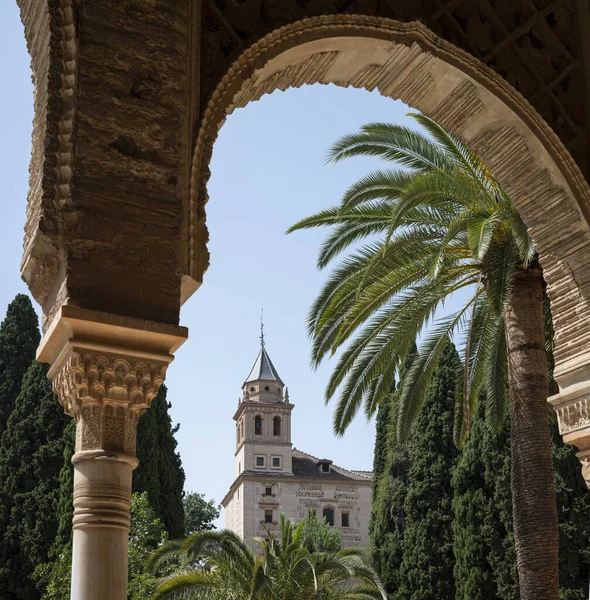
x,y
185,584
420,374
402,145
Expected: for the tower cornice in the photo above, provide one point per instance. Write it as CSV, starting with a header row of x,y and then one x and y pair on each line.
x,y
262,407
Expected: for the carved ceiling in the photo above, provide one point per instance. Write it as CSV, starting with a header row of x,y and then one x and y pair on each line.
x,y
534,44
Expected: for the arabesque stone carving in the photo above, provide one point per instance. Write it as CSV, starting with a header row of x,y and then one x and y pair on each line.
x,y
574,415
106,394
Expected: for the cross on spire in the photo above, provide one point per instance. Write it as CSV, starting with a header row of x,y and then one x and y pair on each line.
x,y
262,327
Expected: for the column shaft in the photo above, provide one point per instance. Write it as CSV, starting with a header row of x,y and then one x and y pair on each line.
x,y
102,495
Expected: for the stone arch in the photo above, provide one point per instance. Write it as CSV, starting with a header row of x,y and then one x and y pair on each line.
x,y
276,425
407,61
329,513
258,425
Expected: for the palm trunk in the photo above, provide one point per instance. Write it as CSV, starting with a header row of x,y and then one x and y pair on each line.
x,y
533,494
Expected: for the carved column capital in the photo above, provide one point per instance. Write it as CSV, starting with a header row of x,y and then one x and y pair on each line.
x,y
106,393
106,370
572,407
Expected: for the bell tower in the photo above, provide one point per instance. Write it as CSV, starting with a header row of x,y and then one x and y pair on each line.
x,y
263,420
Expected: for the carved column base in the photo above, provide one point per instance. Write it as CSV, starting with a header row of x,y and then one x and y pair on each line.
x,y
572,406
106,370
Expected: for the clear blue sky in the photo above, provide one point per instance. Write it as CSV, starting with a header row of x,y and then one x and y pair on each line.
x,y
267,172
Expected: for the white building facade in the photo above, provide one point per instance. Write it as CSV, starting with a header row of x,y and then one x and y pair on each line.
x,y
272,477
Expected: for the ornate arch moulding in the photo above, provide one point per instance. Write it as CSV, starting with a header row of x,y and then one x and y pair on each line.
x,y
50,30
407,61
106,369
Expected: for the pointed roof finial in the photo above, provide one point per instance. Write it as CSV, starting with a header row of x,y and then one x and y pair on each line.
x,y
262,327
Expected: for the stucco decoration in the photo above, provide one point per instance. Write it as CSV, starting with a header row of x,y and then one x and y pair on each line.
x,y
50,31
107,394
407,61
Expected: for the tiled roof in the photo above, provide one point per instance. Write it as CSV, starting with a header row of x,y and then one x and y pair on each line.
x,y
306,466
263,369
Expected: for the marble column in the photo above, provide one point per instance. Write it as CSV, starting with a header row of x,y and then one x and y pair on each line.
x,y
106,370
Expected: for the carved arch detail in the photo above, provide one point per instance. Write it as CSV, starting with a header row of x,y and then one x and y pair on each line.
x,y
407,61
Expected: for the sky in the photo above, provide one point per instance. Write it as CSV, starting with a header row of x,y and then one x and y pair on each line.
x,y
268,172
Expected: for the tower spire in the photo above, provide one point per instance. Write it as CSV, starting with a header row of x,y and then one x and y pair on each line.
x,y
262,327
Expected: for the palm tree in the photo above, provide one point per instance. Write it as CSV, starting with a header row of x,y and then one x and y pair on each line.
x,y
219,565
440,225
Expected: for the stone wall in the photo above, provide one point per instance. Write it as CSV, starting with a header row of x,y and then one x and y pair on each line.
x,y
295,498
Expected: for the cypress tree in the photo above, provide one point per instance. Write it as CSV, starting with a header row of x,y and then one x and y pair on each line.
x,y
65,509
390,483
426,570
160,471
145,476
573,504
485,558
31,457
19,338
381,452
485,566
498,529
473,576
389,523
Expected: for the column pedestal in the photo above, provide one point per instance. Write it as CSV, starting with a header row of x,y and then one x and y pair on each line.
x,y
106,369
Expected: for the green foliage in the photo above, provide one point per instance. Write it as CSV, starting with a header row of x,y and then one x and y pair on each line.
x,y
65,508
220,565
390,486
54,577
485,567
160,471
573,504
389,522
319,536
147,533
382,433
485,558
199,513
426,571
19,338
31,456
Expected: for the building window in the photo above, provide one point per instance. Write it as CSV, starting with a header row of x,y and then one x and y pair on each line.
x,y
328,514
238,493
325,467
258,425
268,490
268,516
276,426
345,519
260,461
276,461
